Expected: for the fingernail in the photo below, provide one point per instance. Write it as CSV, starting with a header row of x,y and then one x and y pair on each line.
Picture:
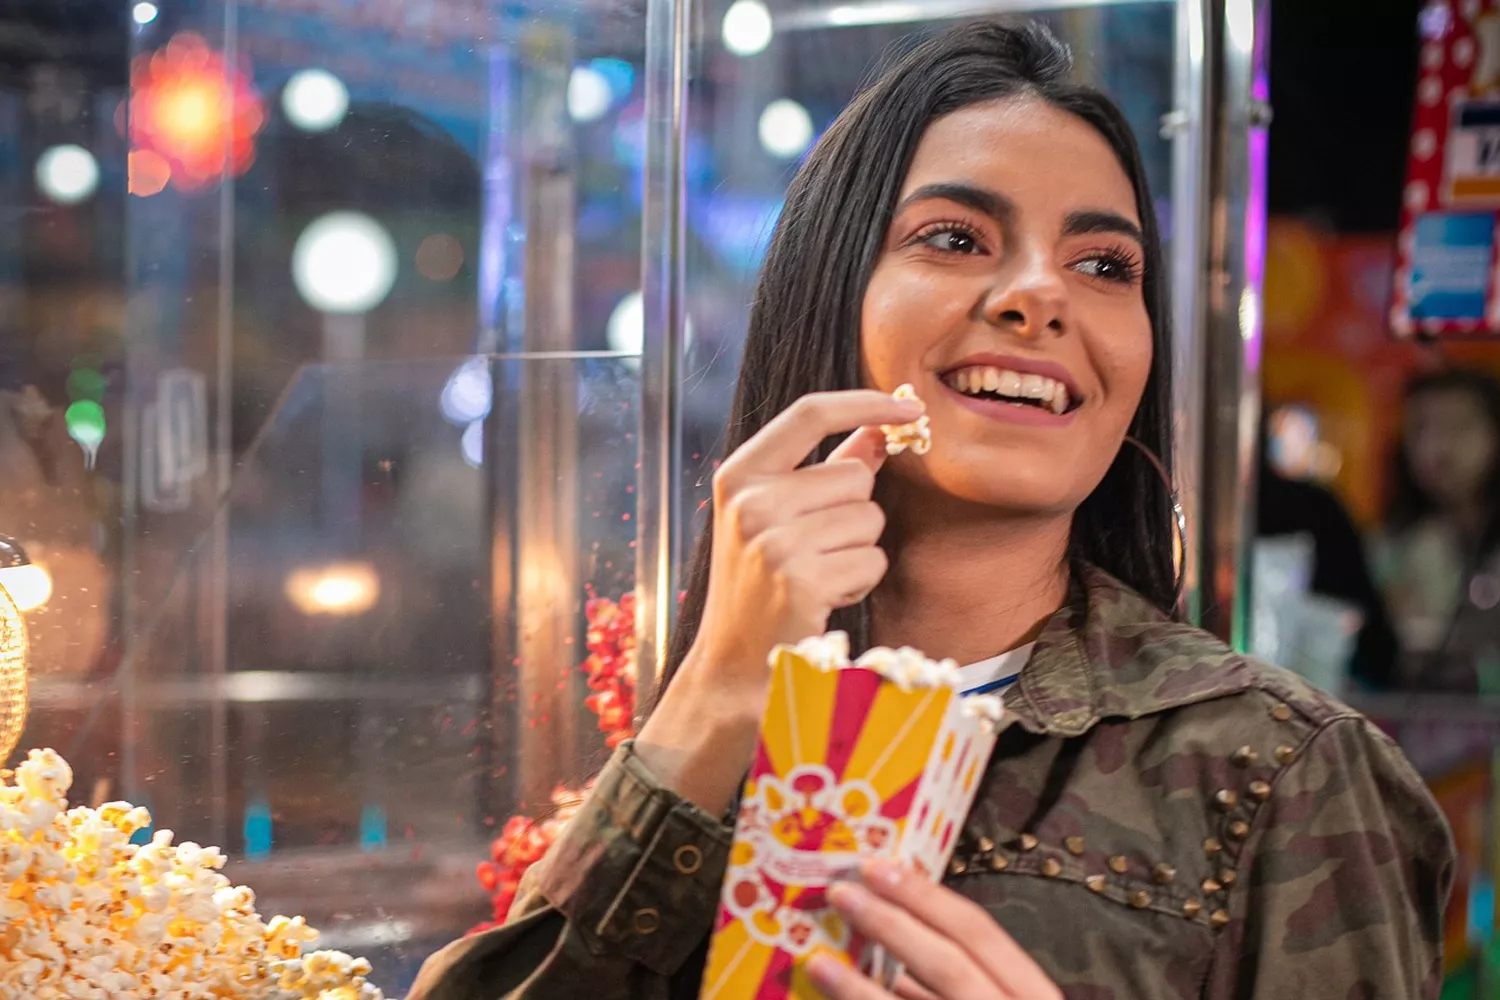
x,y
881,872
913,406
825,971
847,896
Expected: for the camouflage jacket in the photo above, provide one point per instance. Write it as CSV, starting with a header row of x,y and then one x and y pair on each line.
x,y
1162,818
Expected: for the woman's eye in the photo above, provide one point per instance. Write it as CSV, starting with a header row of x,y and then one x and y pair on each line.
x,y
952,241
1109,268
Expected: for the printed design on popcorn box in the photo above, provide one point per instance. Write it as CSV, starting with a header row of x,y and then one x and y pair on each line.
x,y
855,761
1446,268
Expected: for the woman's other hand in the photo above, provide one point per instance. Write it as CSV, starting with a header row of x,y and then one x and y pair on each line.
x,y
790,545
951,948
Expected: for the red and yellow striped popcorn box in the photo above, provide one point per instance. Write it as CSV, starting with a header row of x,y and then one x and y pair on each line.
x,y
880,757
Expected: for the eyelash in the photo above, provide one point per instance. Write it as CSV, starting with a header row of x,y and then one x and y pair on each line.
x,y
1129,265
926,233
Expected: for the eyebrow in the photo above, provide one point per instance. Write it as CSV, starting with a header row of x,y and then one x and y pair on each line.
x,y
1000,208
1091,222
982,200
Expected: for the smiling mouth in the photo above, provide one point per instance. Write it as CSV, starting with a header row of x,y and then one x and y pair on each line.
x,y
1004,386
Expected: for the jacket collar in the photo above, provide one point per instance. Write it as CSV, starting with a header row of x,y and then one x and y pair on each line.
x,y
1110,653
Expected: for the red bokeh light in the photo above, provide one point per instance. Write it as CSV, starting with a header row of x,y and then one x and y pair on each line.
x,y
195,110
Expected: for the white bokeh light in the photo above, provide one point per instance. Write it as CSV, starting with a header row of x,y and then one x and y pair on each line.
x,y
315,100
30,586
626,331
472,444
344,262
468,393
747,28
144,13
589,95
786,129
67,174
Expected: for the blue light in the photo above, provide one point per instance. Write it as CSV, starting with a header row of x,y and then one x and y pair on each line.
x,y
372,828
737,227
258,826
468,393
619,74
472,444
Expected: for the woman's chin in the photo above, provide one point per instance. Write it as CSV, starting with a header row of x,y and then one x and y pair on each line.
x,y
1013,492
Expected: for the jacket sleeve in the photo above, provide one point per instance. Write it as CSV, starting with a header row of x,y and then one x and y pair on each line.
x,y
1343,882
619,909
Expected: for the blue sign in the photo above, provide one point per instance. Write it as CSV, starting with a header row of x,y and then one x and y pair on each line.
x,y
1451,265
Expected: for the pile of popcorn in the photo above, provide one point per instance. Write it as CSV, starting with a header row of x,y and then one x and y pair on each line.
x,y
916,435
87,915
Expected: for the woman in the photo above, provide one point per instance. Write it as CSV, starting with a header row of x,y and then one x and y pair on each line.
x,y
1439,561
1162,818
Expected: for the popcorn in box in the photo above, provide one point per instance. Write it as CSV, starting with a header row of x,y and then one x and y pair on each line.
x,y
877,758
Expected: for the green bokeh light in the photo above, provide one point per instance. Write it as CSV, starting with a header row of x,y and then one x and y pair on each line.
x,y
85,384
86,424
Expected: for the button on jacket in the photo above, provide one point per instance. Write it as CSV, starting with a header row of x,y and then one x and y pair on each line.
x,y
1162,818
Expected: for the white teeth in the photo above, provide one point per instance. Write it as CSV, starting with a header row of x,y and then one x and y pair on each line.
x,y
1049,392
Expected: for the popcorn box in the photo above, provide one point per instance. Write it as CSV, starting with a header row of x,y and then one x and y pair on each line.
x,y
877,758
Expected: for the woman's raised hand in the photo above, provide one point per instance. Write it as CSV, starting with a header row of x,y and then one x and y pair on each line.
x,y
791,545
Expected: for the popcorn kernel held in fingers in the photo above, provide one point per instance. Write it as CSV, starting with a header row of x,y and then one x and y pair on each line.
x,y
916,435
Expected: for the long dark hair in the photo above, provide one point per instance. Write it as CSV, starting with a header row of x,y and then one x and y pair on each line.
x,y
1410,504
804,324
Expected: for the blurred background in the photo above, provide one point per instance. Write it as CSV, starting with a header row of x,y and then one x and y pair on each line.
x,y
362,365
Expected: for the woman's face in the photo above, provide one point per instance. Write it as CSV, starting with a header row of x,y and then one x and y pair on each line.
x,y
1450,446
1009,293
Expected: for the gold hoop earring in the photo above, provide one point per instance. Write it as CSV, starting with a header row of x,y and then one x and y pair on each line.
x,y
1179,519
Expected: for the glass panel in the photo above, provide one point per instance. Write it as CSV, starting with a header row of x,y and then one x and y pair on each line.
x,y
393,686
350,375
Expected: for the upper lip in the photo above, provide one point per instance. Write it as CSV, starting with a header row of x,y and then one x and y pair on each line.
x,y
1021,366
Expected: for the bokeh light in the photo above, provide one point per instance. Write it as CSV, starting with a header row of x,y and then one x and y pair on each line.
x,y
86,426
194,109
468,393
30,586
149,173
315,100
626,331
589,95
786,129
344,262
67,174
472,444
440,257
340,590
619,73
144,13
747,28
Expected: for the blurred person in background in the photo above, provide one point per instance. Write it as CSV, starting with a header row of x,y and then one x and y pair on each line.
x,y
1437,560
1291,504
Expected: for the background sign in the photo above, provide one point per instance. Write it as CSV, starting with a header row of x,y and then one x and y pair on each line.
x,y
1446,273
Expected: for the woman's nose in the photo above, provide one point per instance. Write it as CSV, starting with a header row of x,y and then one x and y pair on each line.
x,y
1029,300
